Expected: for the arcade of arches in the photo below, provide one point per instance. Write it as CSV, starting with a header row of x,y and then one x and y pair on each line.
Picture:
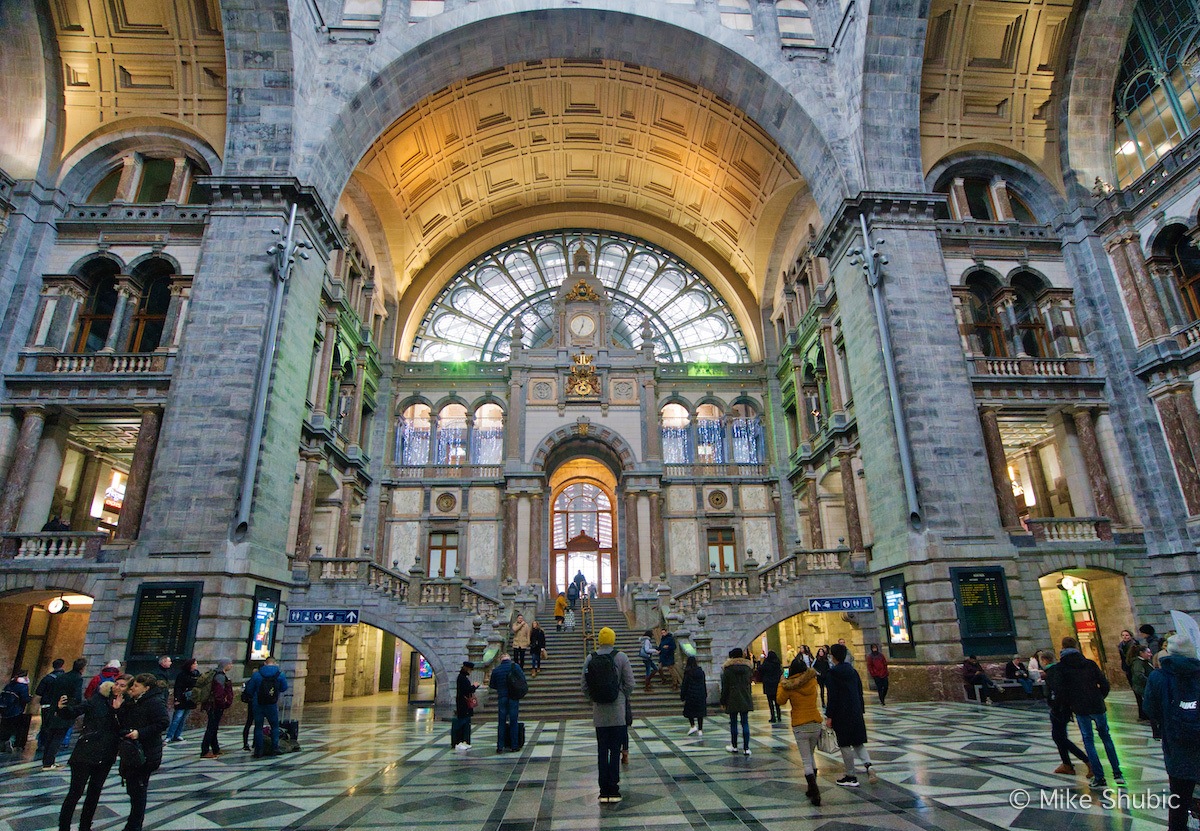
x,y
595,301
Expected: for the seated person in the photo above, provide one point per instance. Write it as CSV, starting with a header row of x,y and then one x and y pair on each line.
x,y
1016,670
974,676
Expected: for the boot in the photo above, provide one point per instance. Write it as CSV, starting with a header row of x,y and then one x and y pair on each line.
x,y
813,793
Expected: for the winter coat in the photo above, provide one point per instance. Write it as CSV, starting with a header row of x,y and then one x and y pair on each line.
x,y
184,682
821,665
572,592
694,693
844,705
163,689
537,639
69,684
1180,674
97,742
148,716
261,674
1014,670
560,606
498,680
735,685
877,665
464,689
1056,699
1083,685
666,650
1139,674
222,693
106,674
800,691
21,690
520,635
771,673
613,713
646,648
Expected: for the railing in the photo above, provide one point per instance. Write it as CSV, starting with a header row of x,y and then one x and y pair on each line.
x,y
975,229
722,470
1033,367
122,212
53,546
1189,337
1070,529
96,363
754,581
701,370
441,369
431,591
447,471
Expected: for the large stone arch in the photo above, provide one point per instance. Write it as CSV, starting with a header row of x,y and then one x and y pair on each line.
x,y
31,88
792,108
579,436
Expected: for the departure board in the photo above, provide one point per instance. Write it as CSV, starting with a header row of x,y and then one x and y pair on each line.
x,y
983,602
164,620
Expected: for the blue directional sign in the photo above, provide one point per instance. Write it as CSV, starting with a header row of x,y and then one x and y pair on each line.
x,y
862,603
323,616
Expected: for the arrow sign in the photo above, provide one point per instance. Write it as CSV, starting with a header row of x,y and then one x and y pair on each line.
x,y
860,603
323,617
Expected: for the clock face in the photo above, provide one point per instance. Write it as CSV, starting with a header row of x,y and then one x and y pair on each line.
x,y
581,326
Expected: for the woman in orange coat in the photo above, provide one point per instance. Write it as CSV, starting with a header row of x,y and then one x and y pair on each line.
x,y
799,690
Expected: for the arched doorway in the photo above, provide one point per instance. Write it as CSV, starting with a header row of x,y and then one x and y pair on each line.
x,y
1092,606
583,526
38,626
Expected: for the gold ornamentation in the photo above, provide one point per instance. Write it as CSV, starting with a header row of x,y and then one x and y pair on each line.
x,y
446,502
717,499
583,381
582,291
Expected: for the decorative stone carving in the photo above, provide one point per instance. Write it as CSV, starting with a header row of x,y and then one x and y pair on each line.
x,y
543,391
718,499
583,381
446,502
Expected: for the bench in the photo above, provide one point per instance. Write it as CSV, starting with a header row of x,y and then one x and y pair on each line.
x,y
1006,690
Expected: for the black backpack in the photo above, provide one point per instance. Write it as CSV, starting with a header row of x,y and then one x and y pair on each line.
x,y
268,690
518,686
603,684
1181,717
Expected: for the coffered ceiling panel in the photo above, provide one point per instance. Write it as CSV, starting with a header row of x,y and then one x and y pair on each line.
x,y
547,132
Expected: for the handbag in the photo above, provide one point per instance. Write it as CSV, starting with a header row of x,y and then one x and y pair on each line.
x,y
131,754
472,701
827,743
545,654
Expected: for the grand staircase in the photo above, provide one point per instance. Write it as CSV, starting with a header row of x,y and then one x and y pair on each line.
x,y
556,693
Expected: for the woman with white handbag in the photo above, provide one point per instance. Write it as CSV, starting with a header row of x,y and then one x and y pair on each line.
x,y
844,713
799,690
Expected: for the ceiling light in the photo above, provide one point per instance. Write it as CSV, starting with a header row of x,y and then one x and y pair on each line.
x,y
1129,148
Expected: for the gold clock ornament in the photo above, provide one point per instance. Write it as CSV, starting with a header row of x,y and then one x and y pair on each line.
x,y
583,381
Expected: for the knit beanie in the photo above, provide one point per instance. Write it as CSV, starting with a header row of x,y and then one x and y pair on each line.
x,y
607,637
1178,644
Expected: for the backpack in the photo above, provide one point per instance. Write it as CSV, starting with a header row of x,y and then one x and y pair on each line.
x,y
202,692
268,690
1181,719
518,686
10,704
603,685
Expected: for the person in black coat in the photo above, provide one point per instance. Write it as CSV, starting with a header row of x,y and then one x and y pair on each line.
x,y
844,713
1084,687
69,684
537,645
95,749
694,693
821,666
143,718
460,728
184,682
771,673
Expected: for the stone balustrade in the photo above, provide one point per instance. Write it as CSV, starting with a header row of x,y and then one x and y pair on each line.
x,y
425,591
755,580
1189,337
1032,367
51,546
721,471
422,472
1070,529
97,363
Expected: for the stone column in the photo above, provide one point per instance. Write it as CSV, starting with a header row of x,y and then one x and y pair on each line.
x,y
801,404
354,417
129,170
345,511
180,180
42,483
537,549
816,535
508,568
1133,302
1162,274
1181,451
1037,477
81,513
24,455
994,445
1085,430
998,189
130,520
325,369
633,555
41,332
119,328
831,368
514,420
658,561
176,310
1156,320
780,536
1185,405
651,418
308,506
62,328
850,501
958,200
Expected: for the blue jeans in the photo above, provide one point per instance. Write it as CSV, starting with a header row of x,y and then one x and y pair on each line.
x,y
609,741
271,713
506,730
1089,743
651,668
733,719
175,731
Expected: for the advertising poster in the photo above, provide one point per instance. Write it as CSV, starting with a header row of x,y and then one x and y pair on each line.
x,y
262,627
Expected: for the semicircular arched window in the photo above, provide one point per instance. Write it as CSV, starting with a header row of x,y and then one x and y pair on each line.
x,y
473,317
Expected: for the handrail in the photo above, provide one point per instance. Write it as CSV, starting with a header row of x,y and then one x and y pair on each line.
x,y
408,589
587,617
51,546
754,581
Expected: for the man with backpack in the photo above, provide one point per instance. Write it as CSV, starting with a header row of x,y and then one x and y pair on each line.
x,y
266,685
1173,699
510,684
213,693
608,683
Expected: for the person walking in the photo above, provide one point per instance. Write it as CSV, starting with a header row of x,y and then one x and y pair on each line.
x,y
736,698
184,682
693,691
142,718
45,694
877,668
572,596
560,611
799,691
1172,693
520,640
464,696
647,652
1150,638
69,685
844,713
508,706
14,699
537,647
771,673
219,700
1060,717
608,684
266,685
822,666
95,750
666,658
1084,687
580,582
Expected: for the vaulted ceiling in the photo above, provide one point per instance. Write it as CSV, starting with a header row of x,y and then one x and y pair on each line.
x,y
551,132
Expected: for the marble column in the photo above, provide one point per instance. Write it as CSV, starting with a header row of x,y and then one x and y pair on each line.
x,y
816,535
62,328
81,513
354,417
514,420
998,189
176,311
958,200
652,420
1037,478
850,502
1181,451
42,485
13,496
130,520
781,545
508,568
308,507
325,369
345,515
118,329
1085,430
1189,420
537,547
831,368
658,561
994,445
633,554
1156,320
1133,302
801,404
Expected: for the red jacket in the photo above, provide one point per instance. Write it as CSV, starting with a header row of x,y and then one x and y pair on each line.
x,y
877,665
106,674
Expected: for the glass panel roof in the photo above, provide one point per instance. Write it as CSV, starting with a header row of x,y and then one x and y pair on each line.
x,y
474,314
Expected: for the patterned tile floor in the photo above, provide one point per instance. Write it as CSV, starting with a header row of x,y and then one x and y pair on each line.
x,y
374,764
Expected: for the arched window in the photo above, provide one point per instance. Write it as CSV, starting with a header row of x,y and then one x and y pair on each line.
x,y
151,314
106,191
96,320
984,326
1186,261
710,435
582,537
1031,329
1155,101
746,426
412,436
155,182
487,439
675,435
451,435
795,24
